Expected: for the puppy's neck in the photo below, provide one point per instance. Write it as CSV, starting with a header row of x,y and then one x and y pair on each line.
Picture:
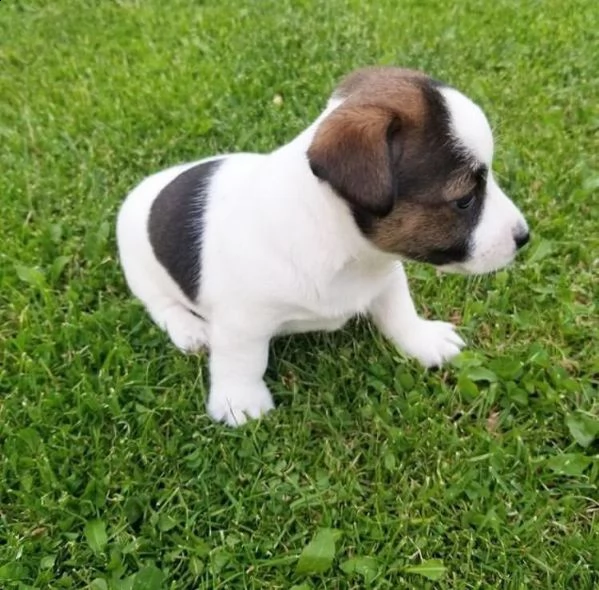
x,y
289,170
301,142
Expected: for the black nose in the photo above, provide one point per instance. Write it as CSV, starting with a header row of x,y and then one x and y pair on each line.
x,y
522,239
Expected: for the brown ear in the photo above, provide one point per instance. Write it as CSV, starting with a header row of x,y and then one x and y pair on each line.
x,y
351,150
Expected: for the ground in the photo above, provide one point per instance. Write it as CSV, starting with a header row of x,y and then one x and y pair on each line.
x,y
381,475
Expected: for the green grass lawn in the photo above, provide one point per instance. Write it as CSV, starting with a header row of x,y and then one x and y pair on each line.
x,y
482,475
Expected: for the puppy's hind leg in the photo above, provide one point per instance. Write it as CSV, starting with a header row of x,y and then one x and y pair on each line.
x,y
187,331
238,358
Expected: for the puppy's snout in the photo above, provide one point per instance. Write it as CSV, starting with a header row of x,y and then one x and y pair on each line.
x,y
522,237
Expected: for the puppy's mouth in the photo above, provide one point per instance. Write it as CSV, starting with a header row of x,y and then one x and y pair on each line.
x,y
474,266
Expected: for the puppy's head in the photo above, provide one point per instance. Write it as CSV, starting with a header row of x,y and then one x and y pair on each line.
x,y
412,158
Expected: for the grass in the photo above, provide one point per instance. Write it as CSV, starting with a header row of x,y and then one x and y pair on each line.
x,y
482,475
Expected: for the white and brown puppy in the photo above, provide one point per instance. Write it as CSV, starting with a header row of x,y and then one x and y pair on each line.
x,y
227,252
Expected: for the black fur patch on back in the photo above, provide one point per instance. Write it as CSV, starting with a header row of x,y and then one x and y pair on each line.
x,y
176,225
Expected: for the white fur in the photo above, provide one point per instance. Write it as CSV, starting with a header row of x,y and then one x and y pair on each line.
x,y
469,125
501,222
494,237
281,253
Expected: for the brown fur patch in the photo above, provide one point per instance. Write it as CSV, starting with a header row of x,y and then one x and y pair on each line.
x,y
414,230
388,151
371,78
351,155
459,185
351,148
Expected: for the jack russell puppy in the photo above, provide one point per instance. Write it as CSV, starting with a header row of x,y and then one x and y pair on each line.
x,y
229,251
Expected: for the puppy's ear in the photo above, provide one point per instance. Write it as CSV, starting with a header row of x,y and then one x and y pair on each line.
x,y
352,151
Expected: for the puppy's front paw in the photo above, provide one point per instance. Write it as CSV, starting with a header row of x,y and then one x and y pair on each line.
x,y
235,404
431,342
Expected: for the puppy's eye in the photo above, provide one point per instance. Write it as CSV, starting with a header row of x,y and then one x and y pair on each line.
x,y
465,202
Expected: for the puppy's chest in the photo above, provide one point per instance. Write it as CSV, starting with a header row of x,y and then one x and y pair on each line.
x,y
329,304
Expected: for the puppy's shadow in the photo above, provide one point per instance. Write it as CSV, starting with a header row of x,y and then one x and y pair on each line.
x,y
318,364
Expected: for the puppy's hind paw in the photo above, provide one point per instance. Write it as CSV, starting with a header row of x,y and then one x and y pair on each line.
x,y
188,332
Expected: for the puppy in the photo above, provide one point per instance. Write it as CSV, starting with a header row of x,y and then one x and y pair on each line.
x,y
229,251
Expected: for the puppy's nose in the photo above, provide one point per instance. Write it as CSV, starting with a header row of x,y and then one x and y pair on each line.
x,y
522,238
